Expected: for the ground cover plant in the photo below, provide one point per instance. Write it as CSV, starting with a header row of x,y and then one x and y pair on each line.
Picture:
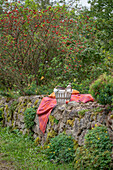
x,y
61,149
20,152
96,153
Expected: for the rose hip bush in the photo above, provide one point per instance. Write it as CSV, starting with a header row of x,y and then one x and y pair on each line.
x,y
53,41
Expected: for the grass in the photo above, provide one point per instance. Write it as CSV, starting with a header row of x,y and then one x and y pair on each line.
x,y
20,152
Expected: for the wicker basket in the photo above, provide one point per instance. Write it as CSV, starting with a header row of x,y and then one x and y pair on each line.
x,y
62,96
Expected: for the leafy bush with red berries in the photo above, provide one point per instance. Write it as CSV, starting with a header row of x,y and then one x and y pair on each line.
x,y
53,41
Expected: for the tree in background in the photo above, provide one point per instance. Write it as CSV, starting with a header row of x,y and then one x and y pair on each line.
x,y
102,10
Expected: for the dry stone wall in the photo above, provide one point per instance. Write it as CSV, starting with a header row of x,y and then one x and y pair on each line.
x,y
72,118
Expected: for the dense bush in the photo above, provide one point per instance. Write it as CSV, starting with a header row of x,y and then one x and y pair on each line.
x,y
96,153
29,116
61,149
36,44
102,89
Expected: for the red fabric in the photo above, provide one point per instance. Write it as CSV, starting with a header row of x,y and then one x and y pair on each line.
x,y
44,111
47,104
82,97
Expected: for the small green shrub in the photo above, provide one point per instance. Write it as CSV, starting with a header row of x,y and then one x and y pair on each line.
x,y
102,89
96,153
61,149
29,116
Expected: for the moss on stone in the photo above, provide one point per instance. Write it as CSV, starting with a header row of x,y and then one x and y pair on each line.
x,y
37,141
12,123
51,119
51,134
6,107
8,119
95,112
1,112
29,104
24,110
81,113
75,145
3,115
71,122
36,102
21,107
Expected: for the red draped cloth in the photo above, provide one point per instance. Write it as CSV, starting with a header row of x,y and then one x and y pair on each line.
x,y
47,104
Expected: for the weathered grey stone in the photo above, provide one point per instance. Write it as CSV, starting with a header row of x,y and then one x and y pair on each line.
x,y
56,128
89,125
110,121
64,114
18,124
58,116
20,99
61,126
15,116
73,103
22,125
69,132
35,135
77,129
87,116
64,120
36,120
61,108
83,123
24,131
81,137
73,113
110,134
9,123
36,129
21,117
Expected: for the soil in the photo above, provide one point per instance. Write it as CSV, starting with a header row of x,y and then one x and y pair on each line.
x,y
4,164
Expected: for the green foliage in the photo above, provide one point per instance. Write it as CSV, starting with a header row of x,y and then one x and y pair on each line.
x,y
96,153
54,41
22,153
81,86
29,116
103,11
102,89
82,112
31,89
61,149
9,93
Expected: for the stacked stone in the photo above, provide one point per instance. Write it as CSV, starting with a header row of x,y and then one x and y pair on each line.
x,y
72,118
